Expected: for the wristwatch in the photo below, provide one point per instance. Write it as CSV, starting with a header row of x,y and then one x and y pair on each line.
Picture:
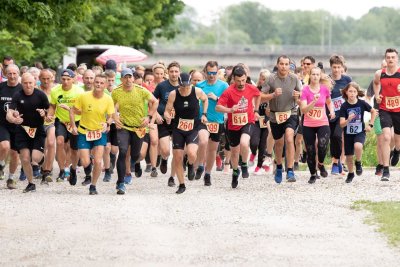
x,y
204,114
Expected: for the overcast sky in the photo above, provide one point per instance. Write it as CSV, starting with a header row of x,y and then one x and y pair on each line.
x,y
207,8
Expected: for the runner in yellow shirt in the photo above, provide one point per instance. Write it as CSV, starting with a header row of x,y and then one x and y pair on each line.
x,y
96,109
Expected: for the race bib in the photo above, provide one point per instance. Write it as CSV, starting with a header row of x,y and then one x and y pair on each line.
x,y
354,128
68,126
30,131
337,103
93,135
240,119
392,102
316,113
140,132
263,122
212,127
185,125
281,117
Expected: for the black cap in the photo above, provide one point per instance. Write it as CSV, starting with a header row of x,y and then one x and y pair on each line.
x,y
111,65
68,73
184,79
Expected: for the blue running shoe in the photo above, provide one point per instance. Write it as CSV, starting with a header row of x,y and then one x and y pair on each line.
x,y
335,169
128,179
121,189
290,177
340,167
22,176
278,176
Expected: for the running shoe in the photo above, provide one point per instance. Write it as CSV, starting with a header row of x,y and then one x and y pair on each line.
x,y
385,176
190,172
163,166
92,190
181,189
395,158
235,178
350,177
379,170
22,176
251,161
245,171
278,176
73,179
2,175
128,178
290,177
207,179
322,170
171,181
107,177
335,169
312,179
138,170
30,188
11,184
359,169
154,173
121,189
87,181
199,172
148,168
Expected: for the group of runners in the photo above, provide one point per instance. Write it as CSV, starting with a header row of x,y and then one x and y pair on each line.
x,y
203,115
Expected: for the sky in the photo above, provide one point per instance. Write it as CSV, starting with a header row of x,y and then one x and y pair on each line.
x,y
207,8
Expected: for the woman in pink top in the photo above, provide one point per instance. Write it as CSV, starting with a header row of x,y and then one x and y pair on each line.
x,y
314,98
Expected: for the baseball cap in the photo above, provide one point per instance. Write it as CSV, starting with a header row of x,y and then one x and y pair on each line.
x,y
184,79
125,72
68,73
111,65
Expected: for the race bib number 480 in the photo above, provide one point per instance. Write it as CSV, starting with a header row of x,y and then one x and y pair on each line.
x,y
185,125
392,102
93,135
281,117
239,119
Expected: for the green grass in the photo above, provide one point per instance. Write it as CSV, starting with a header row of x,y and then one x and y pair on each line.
x,y
386,215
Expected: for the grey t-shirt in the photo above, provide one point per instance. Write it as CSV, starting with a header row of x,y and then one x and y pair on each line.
x,y
286,101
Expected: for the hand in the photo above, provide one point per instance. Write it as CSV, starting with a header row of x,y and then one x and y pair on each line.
x,y
368,128
74,130
351,116
49,118
378,98
159,119
104,127
64,106
42,112
167,117
145,121
332,115
212,96
204,119
234,108
296,94
278,92
256,116
18,119
118,123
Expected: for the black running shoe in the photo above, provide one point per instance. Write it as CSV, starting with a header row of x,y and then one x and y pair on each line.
x,y
245,172
30,188
171,182
235,177
207,179
199,172
148,168
322,170
138,170
385,176
395,158
181,189
72,177
92,190
303,157
350,177
87,181
312,179
190,172
359,169
296,166
379,170
163,166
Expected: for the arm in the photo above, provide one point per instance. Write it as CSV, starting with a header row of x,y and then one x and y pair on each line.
x,y
72,112
377,85
13,116
203,97
331,109
153,105
344,122
169,107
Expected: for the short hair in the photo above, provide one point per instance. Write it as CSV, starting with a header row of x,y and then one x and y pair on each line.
x,y
8,58
137,76
140,67
311,58
238,71
391,50
211,63
174,64
101,75
335,59
147,73
110,73
282,57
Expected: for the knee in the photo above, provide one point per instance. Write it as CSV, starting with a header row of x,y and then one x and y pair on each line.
x,y
98,161
5,146
60,143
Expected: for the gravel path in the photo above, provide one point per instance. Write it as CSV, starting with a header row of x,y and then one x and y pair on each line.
x,y
258,224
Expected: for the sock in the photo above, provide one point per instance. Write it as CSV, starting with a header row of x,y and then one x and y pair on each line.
x,y
290,169
153,168
2,163
11,176
88,169
244,164
385,168
66,169
182,185
35,168
279,166
107,170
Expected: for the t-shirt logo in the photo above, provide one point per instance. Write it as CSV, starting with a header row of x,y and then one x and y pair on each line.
x,y
6,106
185,104
243,104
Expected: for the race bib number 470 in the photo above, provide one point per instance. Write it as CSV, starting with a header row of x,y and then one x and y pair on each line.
x,y
240,119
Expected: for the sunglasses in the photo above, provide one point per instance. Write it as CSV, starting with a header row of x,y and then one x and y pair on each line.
x,y
212,73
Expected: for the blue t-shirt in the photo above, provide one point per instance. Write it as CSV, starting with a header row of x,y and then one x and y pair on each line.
x,y
162,92
336,94
217,89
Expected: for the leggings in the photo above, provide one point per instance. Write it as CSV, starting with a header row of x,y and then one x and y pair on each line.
x,y
336,139
126,138
310,134
258,141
